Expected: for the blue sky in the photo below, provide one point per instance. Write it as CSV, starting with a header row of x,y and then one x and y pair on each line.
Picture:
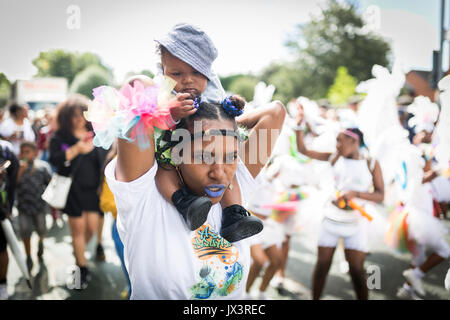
x,y
249,34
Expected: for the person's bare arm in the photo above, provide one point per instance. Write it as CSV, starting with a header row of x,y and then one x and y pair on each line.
x,y
132,162
378,183
429,176
323,156
265,124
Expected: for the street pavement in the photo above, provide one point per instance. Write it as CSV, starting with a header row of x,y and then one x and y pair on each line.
x,y
51,275
381,260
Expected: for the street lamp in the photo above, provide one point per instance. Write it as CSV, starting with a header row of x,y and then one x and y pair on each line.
x,y
437,73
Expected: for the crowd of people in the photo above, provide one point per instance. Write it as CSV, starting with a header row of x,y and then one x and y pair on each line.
x,y
57,140
337,200
208,229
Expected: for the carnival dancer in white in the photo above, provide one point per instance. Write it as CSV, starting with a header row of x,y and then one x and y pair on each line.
x,y
265,247
412,226
346,218
420,189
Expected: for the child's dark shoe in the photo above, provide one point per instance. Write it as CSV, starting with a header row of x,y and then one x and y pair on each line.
x,y
238,224
194,209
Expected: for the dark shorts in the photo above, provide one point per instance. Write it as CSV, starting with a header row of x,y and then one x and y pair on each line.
x,y
32,222
82,199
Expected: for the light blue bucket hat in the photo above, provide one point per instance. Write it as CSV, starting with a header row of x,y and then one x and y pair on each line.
x,y
191,45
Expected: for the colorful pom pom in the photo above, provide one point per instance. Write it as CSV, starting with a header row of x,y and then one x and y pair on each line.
x,y
131,112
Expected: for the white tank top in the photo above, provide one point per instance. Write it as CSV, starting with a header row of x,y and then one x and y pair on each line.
x,y
350,175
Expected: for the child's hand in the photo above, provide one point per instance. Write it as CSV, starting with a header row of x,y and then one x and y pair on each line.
x,y
238,100
182,106
23,164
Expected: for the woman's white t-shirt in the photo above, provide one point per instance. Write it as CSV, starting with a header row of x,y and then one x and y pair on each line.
x,y
164,259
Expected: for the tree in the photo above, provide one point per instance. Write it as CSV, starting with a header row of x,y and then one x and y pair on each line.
x,y
91,77
5,90
86,59
55,63
228,80
60,63
286,78
243,85
145,72
336,37
343,88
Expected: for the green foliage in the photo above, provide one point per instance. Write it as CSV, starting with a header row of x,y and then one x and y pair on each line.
x,y
146,72
91,77
343,88
336,38
286,78
5,90
55,63
60,63
227,81
244,86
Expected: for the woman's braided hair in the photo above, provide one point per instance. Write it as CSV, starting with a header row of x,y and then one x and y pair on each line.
x,y
207,111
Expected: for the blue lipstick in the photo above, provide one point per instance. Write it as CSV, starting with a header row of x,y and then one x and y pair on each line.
x,y
217,190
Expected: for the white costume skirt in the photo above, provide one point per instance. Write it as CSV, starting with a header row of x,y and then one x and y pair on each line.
x,y
272,234
355,235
